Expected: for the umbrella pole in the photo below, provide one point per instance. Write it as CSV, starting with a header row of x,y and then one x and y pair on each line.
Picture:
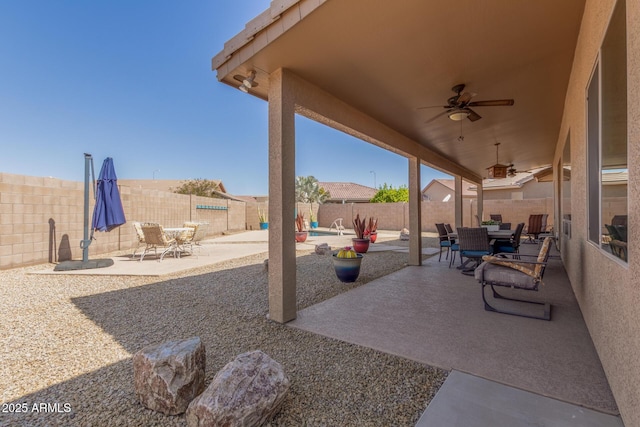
x,y
86,241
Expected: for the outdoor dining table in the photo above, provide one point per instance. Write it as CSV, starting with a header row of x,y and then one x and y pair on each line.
x,y
494,234
174,233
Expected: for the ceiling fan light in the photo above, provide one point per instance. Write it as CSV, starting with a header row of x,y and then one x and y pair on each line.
x,y
458,115
243,88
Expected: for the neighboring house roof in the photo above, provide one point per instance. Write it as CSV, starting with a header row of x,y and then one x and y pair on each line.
x,y
348,191
162,184
451,185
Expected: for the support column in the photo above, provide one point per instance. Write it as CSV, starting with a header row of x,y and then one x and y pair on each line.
x,y
415,213
282,249
458,200
480,200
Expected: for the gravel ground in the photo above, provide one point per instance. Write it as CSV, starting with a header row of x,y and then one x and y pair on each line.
x,y
67,343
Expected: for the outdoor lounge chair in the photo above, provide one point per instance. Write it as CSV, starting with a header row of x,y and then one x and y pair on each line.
x,y
517,274
155,238
537,225
474,244
140,235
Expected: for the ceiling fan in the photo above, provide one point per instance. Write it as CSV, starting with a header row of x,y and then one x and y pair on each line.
x,y
459,106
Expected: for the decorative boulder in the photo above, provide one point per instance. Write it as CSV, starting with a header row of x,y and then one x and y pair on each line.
x,y
248,391
404,234
168,376
323,249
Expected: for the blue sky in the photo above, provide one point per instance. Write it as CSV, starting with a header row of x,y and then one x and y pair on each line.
x,y
132,80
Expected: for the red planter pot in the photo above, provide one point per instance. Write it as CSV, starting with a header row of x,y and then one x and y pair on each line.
x,y
301,236
373,236
361,246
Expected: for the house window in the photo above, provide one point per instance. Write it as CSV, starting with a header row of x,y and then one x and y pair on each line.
x,y
607,141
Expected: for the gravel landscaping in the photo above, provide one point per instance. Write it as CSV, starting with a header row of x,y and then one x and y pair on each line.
x,y
68,342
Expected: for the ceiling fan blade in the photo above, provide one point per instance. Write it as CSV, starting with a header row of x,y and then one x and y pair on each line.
x,y
492,103
473,116
433,106
465,98
437,116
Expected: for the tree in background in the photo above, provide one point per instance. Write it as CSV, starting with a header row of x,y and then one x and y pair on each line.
x,y
198,187
309,191
388,194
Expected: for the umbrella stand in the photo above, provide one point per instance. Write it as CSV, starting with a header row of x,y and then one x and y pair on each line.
x,y
85,264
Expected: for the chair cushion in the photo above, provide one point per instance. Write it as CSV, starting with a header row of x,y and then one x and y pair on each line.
x,y
505,276
474,254
445,244
526,268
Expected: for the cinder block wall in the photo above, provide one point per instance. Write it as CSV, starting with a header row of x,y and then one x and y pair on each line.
x,y
42,219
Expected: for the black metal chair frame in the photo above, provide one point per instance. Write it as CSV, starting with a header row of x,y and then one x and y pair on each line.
x,y
546,315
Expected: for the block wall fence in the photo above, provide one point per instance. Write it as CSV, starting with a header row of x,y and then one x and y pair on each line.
x,y
41,219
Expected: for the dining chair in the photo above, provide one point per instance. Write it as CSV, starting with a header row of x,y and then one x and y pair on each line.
x,y
512,245
139,235
444,240
455,247
155,238
474,244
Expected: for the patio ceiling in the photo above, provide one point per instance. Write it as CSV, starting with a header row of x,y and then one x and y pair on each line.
x,y
387,59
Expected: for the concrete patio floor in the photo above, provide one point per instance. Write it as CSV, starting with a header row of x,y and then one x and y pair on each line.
x,y
435,315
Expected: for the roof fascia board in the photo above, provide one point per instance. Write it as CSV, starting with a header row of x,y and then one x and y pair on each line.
x,y
319,105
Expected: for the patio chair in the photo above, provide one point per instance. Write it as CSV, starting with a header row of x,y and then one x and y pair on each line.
x,y
155,238
455,247
537,225
618,242
496,217
474,244
139,235
516,274
505,226
619,220
193,239
444,240
512,245
337,224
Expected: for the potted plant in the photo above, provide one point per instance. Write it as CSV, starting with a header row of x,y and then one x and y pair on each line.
x,y
262,217
360,242
491,225
313,221
346,263
301,235
372,229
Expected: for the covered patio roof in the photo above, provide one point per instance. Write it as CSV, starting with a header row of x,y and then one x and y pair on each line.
x,y
388,59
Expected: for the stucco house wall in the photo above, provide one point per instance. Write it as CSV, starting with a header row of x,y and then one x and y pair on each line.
x,y
608,290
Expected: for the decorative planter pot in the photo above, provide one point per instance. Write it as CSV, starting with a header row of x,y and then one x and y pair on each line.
x,y
347,269
301,236
264,225
492,227
361,246
373,236
314,224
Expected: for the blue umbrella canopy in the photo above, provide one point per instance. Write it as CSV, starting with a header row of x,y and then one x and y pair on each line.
x,y
107,213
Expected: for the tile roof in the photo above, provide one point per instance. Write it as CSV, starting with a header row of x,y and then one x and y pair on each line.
x,y
348,191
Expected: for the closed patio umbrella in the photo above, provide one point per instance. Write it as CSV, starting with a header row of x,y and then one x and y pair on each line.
x,y
107,213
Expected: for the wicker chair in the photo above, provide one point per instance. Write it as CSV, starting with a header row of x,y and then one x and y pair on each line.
x,y
155,238
455,247
444,240
516,274
512,245
537,225
496,217
474,244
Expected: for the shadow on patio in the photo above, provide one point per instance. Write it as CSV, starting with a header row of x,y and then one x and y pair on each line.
x,y
435,315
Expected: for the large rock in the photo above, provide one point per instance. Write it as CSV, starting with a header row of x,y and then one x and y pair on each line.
x,y
168,376
323,249
248,391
